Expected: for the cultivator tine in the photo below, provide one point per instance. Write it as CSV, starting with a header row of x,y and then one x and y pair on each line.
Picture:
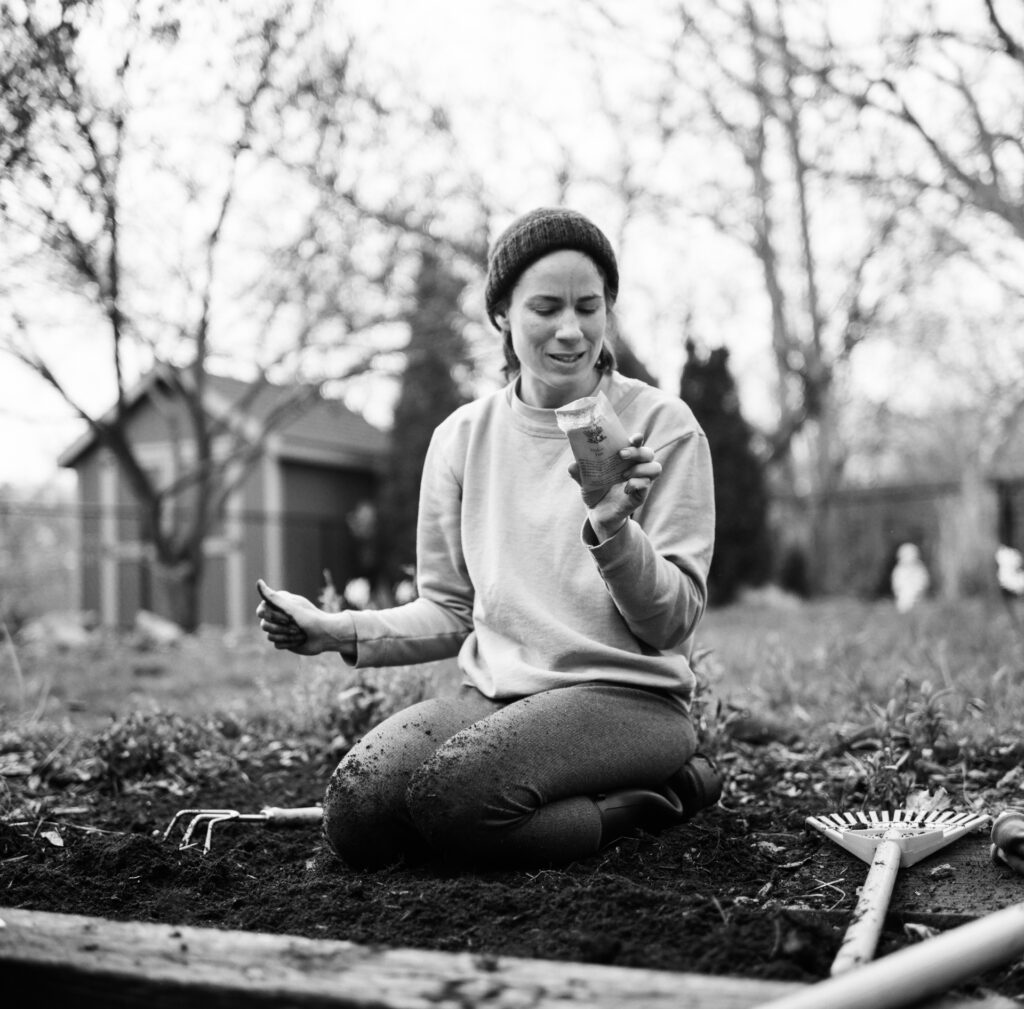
x,y
196,813
209,818
220,816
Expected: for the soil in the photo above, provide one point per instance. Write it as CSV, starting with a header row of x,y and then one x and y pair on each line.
x,y
744,889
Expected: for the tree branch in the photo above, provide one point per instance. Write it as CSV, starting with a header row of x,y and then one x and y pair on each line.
x,y
1012,47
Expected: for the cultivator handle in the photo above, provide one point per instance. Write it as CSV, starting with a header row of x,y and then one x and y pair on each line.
x,y
289,816
862,935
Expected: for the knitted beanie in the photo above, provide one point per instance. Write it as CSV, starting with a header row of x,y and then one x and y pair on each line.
x,y
532,237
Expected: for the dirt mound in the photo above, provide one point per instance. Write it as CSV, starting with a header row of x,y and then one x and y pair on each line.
x,y
739,892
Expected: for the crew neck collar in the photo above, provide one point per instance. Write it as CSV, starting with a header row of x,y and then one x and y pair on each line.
x,y
542,420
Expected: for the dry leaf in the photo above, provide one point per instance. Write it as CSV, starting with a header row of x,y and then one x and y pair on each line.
x,y
923,801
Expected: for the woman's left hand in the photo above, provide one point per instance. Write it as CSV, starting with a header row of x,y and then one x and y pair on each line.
x,y
608,515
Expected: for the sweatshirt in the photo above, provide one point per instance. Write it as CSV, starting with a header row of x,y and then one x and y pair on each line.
x,y
510,576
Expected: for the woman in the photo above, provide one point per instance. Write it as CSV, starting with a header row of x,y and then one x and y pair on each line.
x,y
572,621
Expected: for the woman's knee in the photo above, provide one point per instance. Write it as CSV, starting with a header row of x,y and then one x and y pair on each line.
x,y
459,801
356,820
366,819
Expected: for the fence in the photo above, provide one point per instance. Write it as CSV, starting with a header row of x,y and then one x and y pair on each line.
x,y
953,524
48,549
38,559
53,556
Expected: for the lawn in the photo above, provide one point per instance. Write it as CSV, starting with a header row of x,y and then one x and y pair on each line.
x,y
809,708
818,667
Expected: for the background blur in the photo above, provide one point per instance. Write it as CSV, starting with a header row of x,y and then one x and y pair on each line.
x,y
227,229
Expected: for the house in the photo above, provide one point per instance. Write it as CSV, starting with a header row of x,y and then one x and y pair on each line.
x,y
300,508
1007,475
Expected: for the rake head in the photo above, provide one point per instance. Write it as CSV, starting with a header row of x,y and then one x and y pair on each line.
x,y
917,834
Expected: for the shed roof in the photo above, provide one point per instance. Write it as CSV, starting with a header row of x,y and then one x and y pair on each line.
x,y
310,428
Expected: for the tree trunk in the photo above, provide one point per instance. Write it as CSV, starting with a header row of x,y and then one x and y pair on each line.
x,y
181,581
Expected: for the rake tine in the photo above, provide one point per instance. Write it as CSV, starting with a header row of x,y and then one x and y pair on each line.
x,y
886,841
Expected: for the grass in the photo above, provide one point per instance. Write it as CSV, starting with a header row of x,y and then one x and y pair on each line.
x,y
928,689
234,676
837,661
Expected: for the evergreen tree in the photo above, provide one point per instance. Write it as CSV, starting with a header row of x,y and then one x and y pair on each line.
x,y
742,552
429,394
628,364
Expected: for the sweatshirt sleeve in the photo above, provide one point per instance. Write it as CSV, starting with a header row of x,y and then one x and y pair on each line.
x,y
434,625
656,566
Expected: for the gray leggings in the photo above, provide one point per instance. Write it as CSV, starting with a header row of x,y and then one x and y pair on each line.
x,y
513,783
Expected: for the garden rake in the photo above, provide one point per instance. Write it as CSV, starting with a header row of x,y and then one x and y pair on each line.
x,y
887,841
209,818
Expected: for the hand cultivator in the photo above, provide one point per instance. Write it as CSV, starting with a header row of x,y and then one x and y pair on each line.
x,y
207,819
888,841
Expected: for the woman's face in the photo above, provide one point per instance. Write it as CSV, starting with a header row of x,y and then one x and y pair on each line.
x,y
557,319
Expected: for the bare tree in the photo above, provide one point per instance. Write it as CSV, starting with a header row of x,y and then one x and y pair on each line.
x,y
82,170
970,114
950,84
738,78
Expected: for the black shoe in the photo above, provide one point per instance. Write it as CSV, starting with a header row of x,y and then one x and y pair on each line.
x,y
697,784
633,808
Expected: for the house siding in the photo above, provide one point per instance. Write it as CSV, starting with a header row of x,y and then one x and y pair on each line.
x,y
1011,513
213,599
90,528
316,533
286,523
253,530
134,591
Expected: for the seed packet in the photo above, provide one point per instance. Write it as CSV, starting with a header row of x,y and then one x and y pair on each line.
x,y
596,436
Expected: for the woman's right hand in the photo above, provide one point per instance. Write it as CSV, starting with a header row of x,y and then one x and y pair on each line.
x,y
292,623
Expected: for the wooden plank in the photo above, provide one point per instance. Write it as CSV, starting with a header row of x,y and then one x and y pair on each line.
x,y
91,962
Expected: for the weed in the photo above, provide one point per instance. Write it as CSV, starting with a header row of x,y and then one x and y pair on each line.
x,y
161,745
332,702
889,704
707,713
12,654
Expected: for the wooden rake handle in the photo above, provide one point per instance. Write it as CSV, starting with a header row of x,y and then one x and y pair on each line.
x,y
912,974
865,927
